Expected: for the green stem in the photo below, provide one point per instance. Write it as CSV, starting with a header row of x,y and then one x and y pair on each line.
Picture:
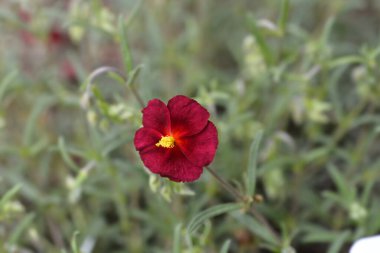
x,y
226,185
128,81
137,96
244,199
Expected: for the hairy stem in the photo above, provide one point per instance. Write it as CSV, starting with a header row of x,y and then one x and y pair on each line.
x,y
232,190
138,97
226,185
128,81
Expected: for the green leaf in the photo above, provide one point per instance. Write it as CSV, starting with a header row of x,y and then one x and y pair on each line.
x,y
226,246
288,249
133,13
341,183
125,51
366,194
6,82
133,75
284,14
65,154
131,83
9,195
252,164
262,43
39,107
317,234
345,60
337,244
24,224
177,239
334,92
326,32
315,154
201,217
256,228
74,243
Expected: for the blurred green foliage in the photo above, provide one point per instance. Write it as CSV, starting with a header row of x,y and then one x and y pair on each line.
x,y
305,72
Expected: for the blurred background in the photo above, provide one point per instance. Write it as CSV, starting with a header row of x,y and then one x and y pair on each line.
x,y
306,72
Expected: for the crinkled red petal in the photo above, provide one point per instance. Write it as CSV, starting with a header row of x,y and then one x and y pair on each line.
x,y
156,115
146,138
187,116
170,163
200,148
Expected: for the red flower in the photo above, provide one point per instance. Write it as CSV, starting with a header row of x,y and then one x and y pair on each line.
x,y
177,140
26,36
68,72
57,37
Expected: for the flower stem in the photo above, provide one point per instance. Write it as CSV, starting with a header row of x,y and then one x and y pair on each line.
x,y
227,186
137,96
128,81
264,222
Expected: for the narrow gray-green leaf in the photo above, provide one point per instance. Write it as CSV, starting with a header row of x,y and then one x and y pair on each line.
x,y
133,75
30,128
131,84
334,92
74,243
262,43
133,13
177,239
6,82
125,51
226,246
365,196
288,249
343,186
201,217
9,195
326,32
252,164
256,228
315,234
283,16
21,227
65,154
337,244
345,60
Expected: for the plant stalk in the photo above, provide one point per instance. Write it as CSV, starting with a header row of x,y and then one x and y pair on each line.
x,y
232,190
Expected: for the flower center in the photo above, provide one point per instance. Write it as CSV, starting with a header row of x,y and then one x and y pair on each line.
x,y
166,142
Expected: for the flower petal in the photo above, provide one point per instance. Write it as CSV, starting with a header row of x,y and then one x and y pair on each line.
x,y
187,116
200,148
156,115
170,163
146,137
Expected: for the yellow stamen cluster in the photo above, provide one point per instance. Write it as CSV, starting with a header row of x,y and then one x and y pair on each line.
x,y
166,142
